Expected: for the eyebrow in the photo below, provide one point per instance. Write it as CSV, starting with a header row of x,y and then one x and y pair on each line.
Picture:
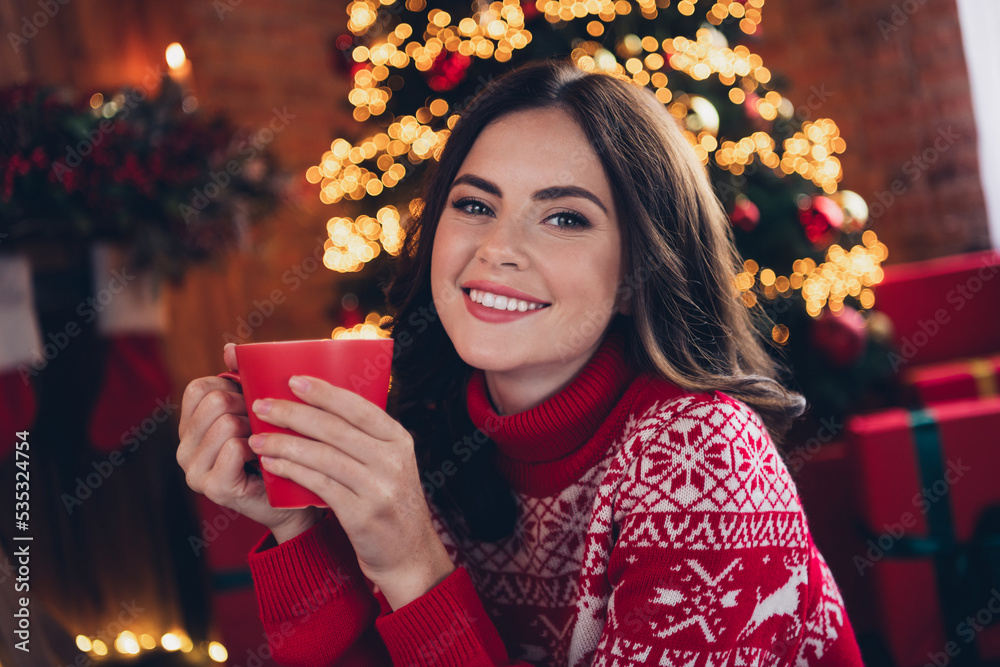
x,y
554,192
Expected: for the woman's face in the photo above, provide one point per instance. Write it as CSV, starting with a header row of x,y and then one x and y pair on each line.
x,y
530,212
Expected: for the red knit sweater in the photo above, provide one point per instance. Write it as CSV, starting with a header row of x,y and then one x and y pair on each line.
x,y
655,527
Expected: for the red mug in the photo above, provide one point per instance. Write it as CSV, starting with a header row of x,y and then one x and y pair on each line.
x,y
361,365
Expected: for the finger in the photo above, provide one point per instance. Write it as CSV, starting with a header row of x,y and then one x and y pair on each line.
x,y
200,462
226,481
355,409
194,392
203,401
317,424
210,408
318,456
229,356
336,495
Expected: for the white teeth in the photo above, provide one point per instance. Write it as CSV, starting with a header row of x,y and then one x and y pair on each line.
x,y
502,302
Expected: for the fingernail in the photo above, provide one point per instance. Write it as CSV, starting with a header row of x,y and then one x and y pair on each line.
x,y
266,460
256,441
298,383
262,406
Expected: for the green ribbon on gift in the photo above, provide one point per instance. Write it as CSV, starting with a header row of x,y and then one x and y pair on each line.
x,y
956,575
224,581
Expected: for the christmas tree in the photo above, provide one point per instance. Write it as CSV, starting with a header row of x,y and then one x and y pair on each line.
x,y
810,263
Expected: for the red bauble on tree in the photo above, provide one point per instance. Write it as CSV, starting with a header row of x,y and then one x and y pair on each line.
x,y
821,219
841,337
744,214
447,71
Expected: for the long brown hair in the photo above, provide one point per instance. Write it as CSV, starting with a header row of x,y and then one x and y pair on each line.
x,y
685,325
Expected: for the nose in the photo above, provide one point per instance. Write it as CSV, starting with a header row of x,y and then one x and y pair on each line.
x,y
503,244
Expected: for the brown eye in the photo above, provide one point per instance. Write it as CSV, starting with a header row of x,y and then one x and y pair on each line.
x,y
569,220
471,206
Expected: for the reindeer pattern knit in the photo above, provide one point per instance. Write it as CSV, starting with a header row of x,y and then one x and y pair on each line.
x,y
671,534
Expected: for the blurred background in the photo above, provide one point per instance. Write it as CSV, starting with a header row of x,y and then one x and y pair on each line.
x,y
176,176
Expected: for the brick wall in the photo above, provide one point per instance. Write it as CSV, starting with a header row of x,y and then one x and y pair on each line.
x,y
894,76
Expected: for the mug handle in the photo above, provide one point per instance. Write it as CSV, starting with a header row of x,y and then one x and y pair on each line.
x,y
232,375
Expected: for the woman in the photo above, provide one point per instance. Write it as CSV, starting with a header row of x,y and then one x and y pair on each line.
x,y
578,468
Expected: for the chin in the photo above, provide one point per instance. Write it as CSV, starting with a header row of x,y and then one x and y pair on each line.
x,y
484,356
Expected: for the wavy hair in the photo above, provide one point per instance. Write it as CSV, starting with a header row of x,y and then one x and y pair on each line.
x,y
686,323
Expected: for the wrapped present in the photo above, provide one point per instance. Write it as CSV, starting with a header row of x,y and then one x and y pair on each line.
x,y
929,499
953,381
943,308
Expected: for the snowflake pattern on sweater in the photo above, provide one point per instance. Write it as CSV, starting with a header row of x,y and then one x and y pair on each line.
x,y
696,496
677,540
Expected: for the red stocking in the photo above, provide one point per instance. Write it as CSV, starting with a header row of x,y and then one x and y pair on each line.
x,y
20,346
135,394
134,400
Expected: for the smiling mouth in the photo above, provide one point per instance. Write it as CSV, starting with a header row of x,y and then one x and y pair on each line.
x,y
502,303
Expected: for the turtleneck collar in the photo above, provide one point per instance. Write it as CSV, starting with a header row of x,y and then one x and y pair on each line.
x,y
564,422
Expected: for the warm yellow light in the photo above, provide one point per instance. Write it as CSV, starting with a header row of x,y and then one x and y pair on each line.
x,y
100,648
217,652
175,56
84,643
127,643
170,641
147,641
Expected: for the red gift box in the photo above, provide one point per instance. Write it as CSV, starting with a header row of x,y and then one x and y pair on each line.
x,y
941,306
953,381
927,484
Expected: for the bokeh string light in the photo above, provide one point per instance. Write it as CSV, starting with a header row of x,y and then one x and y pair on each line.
x,y
372,327
845,273
127,644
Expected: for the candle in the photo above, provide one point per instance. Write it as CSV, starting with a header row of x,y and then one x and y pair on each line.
x,y
180,66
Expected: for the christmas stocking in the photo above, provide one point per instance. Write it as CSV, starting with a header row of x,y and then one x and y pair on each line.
x,y
134,400
20,350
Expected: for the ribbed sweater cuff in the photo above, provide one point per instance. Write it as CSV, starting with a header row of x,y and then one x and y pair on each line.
x,y
293,577
445,626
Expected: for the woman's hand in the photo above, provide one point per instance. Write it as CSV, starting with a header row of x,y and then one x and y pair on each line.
x,y
213,448
361,462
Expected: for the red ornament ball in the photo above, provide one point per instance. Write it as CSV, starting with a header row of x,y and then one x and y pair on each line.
x,y
840,336
447,71
821,219
745,214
